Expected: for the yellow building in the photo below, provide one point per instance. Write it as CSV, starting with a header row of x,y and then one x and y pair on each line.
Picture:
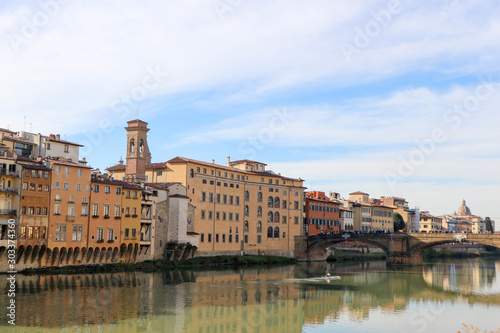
x,y
382,218
430,223
240,206
131,217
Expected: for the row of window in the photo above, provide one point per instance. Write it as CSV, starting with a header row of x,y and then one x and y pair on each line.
x,y
381,212
35,187
57,186
118,190
39,211
271,234
231,185
33,232
66,170
66,147
327,222
224,216
110,235
76,235
35,174
238,177
233,200
324,208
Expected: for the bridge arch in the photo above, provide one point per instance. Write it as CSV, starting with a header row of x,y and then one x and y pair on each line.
x,y
316,246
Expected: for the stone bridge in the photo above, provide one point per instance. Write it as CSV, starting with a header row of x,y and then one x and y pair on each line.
x,y
400,248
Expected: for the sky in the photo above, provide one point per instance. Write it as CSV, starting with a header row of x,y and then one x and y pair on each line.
x,y
392,98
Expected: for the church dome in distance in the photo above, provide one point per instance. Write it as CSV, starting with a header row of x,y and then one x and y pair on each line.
x,y
463,210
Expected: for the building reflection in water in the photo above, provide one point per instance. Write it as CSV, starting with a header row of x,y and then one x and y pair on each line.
x,y
473,276
280,299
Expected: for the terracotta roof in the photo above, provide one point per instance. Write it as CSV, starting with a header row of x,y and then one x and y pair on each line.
x,y
116,182
68,163
116,167
323,200
178,159
358,192
34,166
10,138
161,185
48,138
157,165
179,196
243,161
346,209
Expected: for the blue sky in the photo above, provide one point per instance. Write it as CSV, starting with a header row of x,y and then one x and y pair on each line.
x,y
387,97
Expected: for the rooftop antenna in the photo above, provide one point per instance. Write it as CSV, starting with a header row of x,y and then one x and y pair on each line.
x,y
24,126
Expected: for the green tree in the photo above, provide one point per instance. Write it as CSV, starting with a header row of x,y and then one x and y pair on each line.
x,y
399,223
489,227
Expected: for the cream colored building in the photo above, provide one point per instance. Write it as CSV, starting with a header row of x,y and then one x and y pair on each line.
x,y
241,207
430,223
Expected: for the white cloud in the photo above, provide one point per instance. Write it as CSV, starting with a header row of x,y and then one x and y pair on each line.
x,y
87,55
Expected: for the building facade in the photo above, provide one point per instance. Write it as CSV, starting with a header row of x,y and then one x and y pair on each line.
x,y
240,206
322,216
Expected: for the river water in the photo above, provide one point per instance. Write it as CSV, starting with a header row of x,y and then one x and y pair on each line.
x,y
368,297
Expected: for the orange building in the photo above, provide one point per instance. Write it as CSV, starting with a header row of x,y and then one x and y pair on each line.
x,y
105,213
322,215
131,218
35,203
69,200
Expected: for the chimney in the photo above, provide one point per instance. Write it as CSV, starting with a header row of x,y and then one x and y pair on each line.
x,y
58,136
228,161
213,161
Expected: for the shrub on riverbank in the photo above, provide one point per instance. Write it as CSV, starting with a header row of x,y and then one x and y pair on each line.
x,y
433,253
341,257
159,265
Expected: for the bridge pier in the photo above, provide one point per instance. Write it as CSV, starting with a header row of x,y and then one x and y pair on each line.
x,y
404,259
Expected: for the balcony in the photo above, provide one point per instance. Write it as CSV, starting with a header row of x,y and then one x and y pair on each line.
x,y
106,216
8,190
8,212
9,173
70,218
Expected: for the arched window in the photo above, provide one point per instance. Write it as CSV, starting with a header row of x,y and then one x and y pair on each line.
x,y
270,202
247,210
259,226
270,232
276,232
259,197
246,226
276,217
276,202
247,196
191,173
270,217
141,146
132,145
259,211
284,203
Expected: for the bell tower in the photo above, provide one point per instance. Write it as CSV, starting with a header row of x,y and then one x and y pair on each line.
x,y
138,155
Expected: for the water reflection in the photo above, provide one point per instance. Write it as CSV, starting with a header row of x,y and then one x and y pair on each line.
x,y
246,300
